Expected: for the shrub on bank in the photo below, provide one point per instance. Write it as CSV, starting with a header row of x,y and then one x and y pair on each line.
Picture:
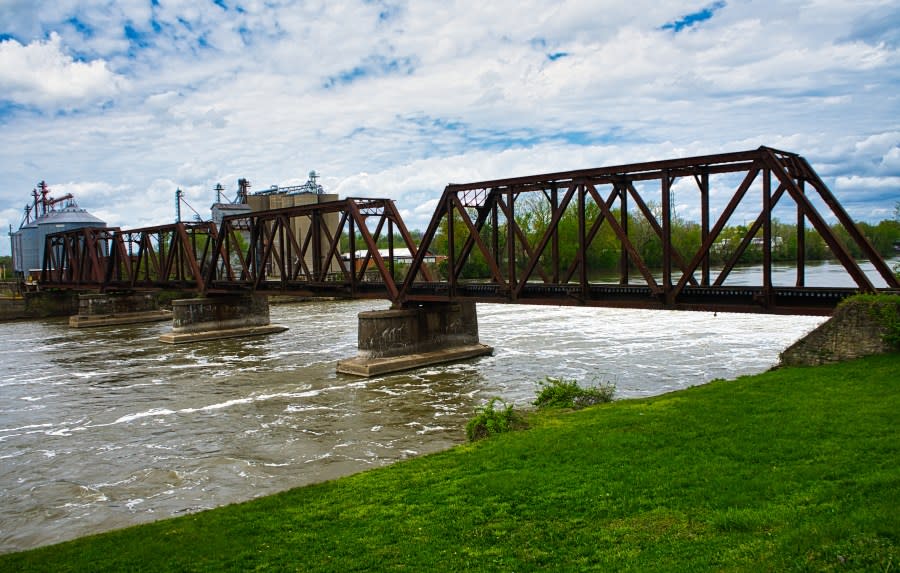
x,y
493,419
497,416
562,393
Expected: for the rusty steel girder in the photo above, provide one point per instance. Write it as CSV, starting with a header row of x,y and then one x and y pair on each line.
x,y
530,240
483,223
297,250
78,259
162,257
169,256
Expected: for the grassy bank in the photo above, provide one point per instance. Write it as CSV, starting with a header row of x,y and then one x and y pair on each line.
x,y
796,469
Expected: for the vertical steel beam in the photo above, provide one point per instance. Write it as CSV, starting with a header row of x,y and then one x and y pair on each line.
x,y
495,231
451,245
582,242
623,223
704,225
667,236
390,231
554,246
351,229
801,239
767,237
511,242
315,228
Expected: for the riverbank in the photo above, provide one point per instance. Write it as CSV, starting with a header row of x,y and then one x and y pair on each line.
x,y
793,469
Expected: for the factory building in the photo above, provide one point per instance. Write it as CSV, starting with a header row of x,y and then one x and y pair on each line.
x,y
43,217
275,197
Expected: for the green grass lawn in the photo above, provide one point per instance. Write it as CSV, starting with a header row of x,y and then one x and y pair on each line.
x,y
792,470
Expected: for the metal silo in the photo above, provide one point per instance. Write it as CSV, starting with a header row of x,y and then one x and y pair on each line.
x,y
68,218
42,217
24,249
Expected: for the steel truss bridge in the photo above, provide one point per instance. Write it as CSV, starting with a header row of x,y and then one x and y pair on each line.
x,y
525,240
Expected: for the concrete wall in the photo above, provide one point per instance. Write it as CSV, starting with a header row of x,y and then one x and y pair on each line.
x,y
853,331
12,308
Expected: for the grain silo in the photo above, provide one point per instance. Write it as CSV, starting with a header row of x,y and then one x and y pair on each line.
x,y
44,217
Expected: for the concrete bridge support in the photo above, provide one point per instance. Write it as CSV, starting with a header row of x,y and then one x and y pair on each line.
x,y
117,308
226,316
416,335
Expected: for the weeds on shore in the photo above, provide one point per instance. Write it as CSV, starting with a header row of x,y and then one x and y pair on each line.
x,y
562,393
492,419
497,416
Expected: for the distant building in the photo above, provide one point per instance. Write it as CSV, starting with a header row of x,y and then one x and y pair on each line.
x,y
42,218
309,193
401,257
239,206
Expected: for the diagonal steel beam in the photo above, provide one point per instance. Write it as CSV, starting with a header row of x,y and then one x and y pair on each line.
x,y
837,248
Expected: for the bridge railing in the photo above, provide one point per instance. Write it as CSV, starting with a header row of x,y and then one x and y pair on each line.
x,y
545,239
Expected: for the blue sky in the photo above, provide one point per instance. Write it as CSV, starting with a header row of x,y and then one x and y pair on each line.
x,y
121,103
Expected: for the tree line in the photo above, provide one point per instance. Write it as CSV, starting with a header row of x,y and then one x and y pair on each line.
x,y
604,252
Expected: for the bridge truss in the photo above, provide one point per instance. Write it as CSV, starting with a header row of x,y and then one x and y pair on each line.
x,y
297,250
291,251
541,239
492,257
161,257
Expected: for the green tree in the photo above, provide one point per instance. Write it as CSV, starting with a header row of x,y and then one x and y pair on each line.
x,y
6,267
644,238
475,266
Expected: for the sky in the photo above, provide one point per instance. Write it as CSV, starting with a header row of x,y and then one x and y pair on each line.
x,y
123,102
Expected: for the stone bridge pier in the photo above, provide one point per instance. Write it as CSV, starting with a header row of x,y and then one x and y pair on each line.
x,y
214,317
418,334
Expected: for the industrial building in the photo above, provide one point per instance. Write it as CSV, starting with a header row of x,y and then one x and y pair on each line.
x,y
46,215
43,217
276,197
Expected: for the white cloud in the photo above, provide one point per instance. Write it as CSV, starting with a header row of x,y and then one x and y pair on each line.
x,y
857,182
41,74
400,100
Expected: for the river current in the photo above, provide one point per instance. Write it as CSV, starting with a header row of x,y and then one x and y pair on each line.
x,y
105,428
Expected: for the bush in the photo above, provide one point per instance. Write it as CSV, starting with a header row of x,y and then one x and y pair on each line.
x,y
562,393
491,420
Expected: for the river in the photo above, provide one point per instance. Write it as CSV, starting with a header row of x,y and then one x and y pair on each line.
x,y
105,428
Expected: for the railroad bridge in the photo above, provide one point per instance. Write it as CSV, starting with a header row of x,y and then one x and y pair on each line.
x,y
539,239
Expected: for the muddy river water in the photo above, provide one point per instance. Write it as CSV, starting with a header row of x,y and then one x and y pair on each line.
x,y
104,428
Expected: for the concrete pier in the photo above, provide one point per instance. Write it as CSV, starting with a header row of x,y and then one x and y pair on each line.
x,y
228,316
414,336
117,308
